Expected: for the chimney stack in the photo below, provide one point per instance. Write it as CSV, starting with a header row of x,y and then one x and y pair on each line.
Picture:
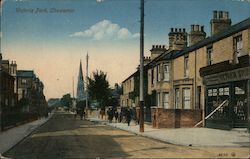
x,y
220,22
157,50
196,34
177,39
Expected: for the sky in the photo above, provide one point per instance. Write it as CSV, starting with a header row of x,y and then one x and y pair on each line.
x,y
52,36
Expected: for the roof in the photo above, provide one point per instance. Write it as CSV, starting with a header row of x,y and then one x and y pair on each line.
x,y
245,24
25,73
167,55
5,61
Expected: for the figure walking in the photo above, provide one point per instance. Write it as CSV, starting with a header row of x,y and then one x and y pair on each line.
x,y
128,116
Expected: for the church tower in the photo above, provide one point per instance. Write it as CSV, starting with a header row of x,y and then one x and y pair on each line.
x,y
80,85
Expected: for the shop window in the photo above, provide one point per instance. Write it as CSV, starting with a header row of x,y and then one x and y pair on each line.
x,y
23,81
166,100
239,90
186,98
214,92
226,91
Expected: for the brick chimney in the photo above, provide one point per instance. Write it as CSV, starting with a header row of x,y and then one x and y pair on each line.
x,y
196,34
157,50
220,22
177,39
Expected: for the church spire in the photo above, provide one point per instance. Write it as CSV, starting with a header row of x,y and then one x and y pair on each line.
x,y
80,84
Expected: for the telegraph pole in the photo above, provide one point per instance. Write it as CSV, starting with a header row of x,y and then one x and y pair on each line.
x,y
141,103
87,68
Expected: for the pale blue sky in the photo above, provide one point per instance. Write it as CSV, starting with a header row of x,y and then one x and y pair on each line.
x,y
107,29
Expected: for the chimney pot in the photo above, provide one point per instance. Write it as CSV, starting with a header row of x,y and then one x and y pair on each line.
x,y
215,14
175,29
153,46
156,46
163,46
202,28
220,14
184,30
159,46
179,29
192,27
172,29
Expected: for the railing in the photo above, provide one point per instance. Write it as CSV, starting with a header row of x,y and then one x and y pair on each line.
x,y
209,115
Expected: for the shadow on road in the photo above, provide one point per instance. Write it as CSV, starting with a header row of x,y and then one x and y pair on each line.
x,y
64,137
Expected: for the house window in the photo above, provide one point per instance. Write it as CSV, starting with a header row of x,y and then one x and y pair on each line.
x,y
166,100
23,94
177,98
23,81
158,73
166,72
152,76
158,99
186,98
186,71
237,47
209,56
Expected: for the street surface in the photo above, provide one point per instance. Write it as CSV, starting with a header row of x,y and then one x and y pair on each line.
x,y
65,137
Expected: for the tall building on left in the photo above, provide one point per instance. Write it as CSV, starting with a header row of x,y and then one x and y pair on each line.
x,y
21,95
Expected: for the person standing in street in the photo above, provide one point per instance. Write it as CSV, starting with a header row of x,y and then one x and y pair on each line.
x,y
128,116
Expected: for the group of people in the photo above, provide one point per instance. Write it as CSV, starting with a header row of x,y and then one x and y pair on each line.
x,y
125,115
80,112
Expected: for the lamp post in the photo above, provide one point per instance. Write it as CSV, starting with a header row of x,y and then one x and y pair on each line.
x,y
141,103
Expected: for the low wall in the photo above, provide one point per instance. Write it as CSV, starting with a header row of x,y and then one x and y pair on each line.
x,y
175,118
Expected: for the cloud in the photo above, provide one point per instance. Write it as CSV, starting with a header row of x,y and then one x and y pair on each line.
x,y
99,1
105,29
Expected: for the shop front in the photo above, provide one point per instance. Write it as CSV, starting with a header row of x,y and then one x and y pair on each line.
x,y
232,86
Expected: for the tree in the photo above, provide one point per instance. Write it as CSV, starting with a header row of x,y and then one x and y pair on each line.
x,y
66,100
98,88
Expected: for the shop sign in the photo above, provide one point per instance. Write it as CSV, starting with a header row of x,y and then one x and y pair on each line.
x,y
229,76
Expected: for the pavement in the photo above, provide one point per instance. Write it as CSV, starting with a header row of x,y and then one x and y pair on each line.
x,y
199,137
11,137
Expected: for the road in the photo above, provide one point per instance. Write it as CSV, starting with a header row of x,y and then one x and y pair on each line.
x,y
65,137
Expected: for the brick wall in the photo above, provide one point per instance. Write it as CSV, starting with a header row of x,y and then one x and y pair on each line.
x,y
175,118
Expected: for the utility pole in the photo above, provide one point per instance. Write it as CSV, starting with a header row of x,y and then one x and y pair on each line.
x,y
73,101
141,103
87,68
73,93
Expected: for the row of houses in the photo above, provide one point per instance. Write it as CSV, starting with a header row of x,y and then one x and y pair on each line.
x,y
198,79
21,95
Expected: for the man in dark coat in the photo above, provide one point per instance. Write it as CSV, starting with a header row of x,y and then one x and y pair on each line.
x,y
128,116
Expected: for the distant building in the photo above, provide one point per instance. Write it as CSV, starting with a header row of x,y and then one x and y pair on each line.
x,y
7,94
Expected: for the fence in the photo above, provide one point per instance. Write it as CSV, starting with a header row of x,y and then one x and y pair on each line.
x,y
16,118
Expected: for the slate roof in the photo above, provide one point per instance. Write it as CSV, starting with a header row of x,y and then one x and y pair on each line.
x,y
167,55
245,24
25,73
